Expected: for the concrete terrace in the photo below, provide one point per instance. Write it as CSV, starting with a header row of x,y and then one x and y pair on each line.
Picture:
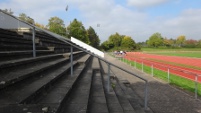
x,y
40,81
163,98
44,84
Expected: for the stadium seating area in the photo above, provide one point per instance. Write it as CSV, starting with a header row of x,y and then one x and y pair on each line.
x,y
44,84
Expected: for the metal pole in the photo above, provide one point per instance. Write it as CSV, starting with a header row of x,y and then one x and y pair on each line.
x,y
66,22
33,42
135,63
146,95
168,75
196,86
71,60
108,77
142,67
152,70
130,62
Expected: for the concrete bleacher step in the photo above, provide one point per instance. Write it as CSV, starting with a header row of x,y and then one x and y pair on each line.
x,y
6,31
15,47
77,100
10,55
112,101
24,91
97,102
50,42
19,74
23,108
45,91
19,62
7,39
123,98
134,100
63,85
13,36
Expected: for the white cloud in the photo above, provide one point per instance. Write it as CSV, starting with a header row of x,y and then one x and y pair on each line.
x,y
145,3
113,17
187,23
40,10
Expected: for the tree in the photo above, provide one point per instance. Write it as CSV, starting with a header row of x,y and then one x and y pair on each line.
x,y
93,37
180,40
40,25
115,39
56,25
128,42
199,44
26,18
167,42
77,30
106,45
8,11
191,43
155,40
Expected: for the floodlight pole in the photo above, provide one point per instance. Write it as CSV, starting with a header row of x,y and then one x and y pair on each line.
x,y
71,49
66,22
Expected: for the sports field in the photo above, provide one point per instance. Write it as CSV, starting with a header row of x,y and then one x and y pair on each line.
x,y
194,53
184,69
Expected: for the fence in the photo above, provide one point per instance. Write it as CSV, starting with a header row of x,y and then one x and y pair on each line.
x,y
168,73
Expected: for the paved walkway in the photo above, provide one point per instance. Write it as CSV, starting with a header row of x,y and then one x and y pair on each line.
x,y
163,98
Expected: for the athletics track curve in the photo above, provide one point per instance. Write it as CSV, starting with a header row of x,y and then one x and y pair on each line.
x,y
185,72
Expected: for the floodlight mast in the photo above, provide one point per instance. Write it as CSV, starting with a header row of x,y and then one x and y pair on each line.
x,y
67,8
66,22
71,56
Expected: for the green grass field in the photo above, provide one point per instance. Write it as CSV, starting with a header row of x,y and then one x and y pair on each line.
x,y
193,54
185,52
167,49
181,82
176,64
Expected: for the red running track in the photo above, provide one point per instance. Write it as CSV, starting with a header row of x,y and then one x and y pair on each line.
x,y
188,73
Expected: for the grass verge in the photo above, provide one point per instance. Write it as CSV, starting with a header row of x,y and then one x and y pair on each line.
x,y
181,82
173,63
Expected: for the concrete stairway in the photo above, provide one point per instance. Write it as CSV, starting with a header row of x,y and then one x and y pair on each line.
x,y
44,84
37,84
121,98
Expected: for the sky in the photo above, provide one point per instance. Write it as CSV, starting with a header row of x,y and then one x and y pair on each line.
x,y
136,18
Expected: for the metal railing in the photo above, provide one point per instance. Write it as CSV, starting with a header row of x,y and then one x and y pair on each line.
x,y
17,23
168,68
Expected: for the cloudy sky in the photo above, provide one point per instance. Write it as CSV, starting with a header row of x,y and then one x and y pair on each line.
x,y
136,18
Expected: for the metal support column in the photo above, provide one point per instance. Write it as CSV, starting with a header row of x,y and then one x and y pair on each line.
x,y
152,70
71,60
196,86
135,63
146,95
142,67
168,75
33,42
130,62
108,77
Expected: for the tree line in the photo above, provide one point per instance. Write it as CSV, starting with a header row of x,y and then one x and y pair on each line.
x,y
89,36
56,25
114,42
157,40
117,42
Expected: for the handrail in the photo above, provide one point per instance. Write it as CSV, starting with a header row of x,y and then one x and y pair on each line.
x,y
170,67
152,63
67,41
